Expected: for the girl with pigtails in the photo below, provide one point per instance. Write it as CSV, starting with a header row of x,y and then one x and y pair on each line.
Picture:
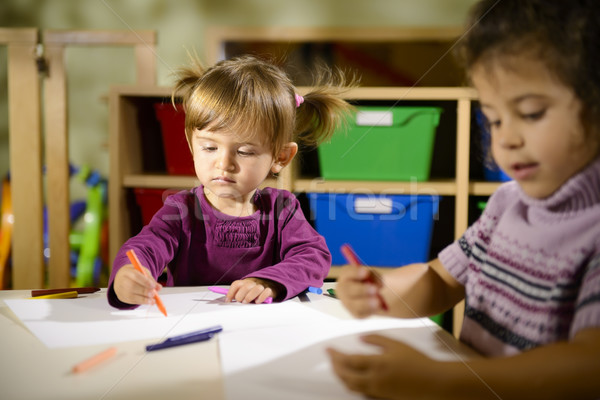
x,y
244,120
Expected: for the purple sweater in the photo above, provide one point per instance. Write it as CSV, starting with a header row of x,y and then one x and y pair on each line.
x,y
199,245
530,267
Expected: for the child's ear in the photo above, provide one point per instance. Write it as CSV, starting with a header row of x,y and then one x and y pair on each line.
x,y
286,155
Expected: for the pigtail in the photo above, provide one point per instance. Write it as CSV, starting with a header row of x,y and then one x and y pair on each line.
x,y
186,80
323,110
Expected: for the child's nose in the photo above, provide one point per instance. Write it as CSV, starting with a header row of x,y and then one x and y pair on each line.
x,y
509,136
225,161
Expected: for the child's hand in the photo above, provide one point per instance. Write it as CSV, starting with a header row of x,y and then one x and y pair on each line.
x,y
251,290
398,372
132,287
359,296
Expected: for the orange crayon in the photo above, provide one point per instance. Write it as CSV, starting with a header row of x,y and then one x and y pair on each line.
x,y
94,360
136,263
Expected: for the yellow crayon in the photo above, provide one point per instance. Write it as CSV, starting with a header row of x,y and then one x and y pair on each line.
x,y
64,295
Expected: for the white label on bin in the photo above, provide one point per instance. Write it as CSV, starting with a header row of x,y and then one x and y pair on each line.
x,y
374,118
377,205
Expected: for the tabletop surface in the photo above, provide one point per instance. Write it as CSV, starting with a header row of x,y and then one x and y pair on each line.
x,y
29,369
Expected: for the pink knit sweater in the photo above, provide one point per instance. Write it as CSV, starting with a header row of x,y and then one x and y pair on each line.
x,y
530,267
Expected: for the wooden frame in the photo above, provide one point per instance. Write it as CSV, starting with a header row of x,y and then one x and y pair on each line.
x,y
26,142
25,148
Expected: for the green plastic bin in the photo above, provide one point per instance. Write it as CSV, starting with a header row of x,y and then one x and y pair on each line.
x,y
382,143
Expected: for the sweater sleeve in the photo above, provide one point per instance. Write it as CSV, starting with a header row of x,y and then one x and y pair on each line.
x,y
304,258
155,245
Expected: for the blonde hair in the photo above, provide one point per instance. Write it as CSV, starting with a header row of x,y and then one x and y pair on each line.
x,y
256,99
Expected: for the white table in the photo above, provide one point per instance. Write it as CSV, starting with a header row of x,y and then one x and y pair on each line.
x,y
30,370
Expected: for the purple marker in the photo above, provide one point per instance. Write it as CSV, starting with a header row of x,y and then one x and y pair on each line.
x,y
222,290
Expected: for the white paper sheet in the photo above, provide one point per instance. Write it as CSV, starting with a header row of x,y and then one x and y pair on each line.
x,y
86,321
291,363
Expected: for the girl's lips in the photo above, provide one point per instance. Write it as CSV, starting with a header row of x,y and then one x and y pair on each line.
x,y
522,171
223,179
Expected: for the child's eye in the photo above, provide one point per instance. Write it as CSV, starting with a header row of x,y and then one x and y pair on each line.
x,y
491,124
208,148
486,122
534,116
245,153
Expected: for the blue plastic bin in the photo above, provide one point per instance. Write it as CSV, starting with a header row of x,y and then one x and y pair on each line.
x,y
384,230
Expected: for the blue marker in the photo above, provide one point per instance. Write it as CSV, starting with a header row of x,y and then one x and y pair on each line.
x,y
316,290
187,338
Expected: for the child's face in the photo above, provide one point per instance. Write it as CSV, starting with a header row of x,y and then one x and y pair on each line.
x,y
229,168
537,135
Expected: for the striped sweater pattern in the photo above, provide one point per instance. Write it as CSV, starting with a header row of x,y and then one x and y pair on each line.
x,y
530,267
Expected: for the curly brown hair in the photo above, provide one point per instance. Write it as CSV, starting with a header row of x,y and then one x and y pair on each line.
x,y
564,35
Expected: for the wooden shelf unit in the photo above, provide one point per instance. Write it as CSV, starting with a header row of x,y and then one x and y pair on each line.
x,y
126,170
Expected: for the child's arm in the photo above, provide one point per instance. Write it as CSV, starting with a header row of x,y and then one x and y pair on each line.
x,y
303,258
563,370
412,291
155,245
133,287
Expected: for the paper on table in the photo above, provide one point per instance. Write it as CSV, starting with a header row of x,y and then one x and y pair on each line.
x,y
90,320
291,363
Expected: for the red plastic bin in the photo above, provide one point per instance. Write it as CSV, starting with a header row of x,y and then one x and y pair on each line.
x,y
178,156
150,201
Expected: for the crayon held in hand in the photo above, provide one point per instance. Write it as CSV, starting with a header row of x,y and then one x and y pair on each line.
x,y
353,259
136,264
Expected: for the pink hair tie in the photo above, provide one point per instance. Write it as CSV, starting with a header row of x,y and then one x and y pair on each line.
x,y
299,99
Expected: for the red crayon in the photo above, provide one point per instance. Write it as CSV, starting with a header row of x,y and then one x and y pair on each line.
x,y
353,259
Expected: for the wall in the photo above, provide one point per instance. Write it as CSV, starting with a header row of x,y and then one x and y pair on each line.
x,y
180,25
